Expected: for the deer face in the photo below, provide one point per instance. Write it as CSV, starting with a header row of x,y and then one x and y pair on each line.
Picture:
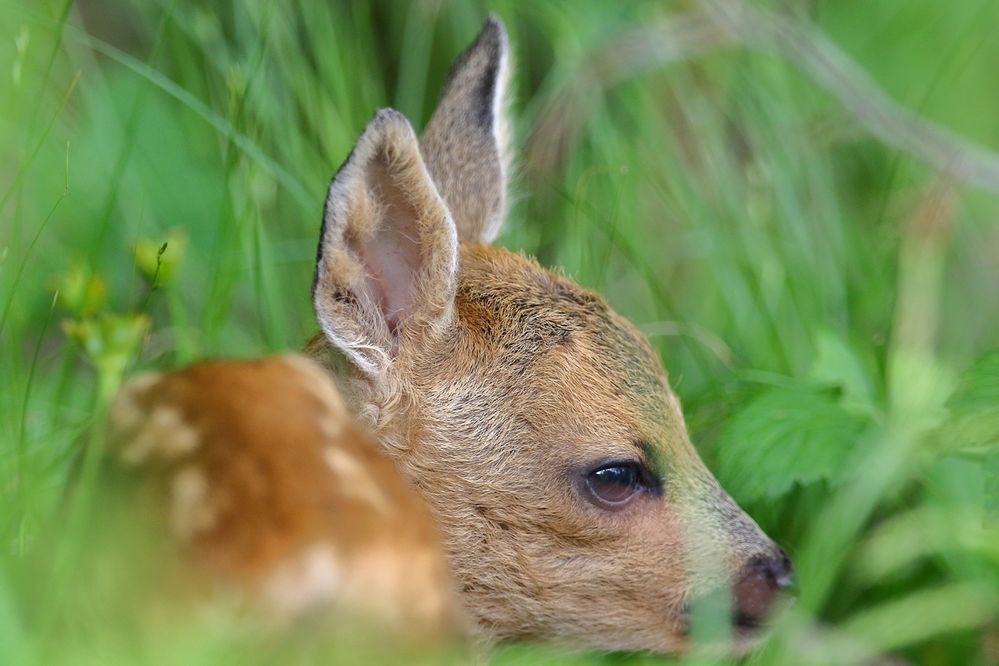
x,y
538,425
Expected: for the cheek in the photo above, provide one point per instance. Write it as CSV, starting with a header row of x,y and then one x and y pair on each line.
x,y
653,555
660,531
628,585
642,545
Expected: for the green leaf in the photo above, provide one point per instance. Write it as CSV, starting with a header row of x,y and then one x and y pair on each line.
x,y
784,437
838,364
922,615
974,408
992,483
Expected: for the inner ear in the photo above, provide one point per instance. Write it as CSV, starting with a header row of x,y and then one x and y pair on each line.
x,y
387,260
392,255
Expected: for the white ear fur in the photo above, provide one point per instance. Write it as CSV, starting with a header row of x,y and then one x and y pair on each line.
x,y
386,266
466,141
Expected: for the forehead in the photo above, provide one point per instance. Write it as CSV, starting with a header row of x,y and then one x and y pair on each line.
x,y
588,372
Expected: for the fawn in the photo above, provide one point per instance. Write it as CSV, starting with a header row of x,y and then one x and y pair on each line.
x,y
492,423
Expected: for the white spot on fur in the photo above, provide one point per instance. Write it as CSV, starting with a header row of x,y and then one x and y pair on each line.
x,y
356,480
190,511
395,584
309,580
164,434
127,413
331,427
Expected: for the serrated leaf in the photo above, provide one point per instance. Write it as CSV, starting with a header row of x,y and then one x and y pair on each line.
x,y
784,437
974,407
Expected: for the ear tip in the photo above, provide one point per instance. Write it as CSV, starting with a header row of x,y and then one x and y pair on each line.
x,y
389,122
495,23
389,116
494,31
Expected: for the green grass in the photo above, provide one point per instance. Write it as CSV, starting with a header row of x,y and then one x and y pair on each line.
x,y
827,305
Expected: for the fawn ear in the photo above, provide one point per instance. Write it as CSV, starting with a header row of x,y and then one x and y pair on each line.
x,y
465,142
387,260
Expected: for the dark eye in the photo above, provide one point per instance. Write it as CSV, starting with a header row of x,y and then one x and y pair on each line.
x,y
615,485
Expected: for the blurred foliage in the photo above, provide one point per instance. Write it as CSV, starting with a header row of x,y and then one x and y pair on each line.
x,y
975,407
109,341
797,435
159,263
826,305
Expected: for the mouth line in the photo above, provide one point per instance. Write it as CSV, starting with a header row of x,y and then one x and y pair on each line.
x,y
745,625
746,622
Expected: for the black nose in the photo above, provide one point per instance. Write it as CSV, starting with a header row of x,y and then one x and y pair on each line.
x,y
760,584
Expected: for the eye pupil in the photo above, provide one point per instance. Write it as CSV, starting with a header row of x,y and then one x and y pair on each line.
x,y
615,484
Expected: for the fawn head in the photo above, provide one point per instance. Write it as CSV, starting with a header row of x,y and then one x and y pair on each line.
x,y
538,424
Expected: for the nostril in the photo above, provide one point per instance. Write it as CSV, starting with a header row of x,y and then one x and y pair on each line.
x,y
762,580
775,571
783,571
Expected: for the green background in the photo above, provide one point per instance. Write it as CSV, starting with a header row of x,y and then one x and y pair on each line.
x,y
826,304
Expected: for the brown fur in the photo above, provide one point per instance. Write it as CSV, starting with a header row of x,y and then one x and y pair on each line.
x,y
503,384
465,144
269,484
495,385
535,378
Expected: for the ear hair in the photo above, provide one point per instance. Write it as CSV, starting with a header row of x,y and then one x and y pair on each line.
x,y
387,259
465,142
